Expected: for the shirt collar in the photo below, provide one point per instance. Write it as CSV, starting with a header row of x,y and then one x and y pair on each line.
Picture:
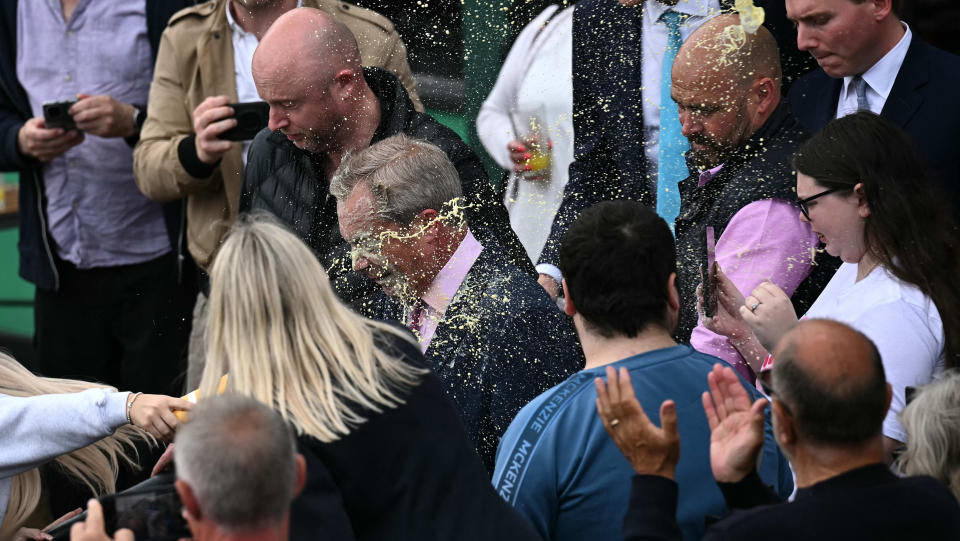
x,y
446,283
233,22
881,76
695,8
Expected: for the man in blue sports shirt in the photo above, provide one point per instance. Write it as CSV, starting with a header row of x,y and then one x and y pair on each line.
x,y
555,464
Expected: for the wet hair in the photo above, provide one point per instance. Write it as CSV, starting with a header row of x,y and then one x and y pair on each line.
x,y
406,176
846,411
616,259
910,230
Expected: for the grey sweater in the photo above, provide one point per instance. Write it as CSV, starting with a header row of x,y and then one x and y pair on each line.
x,y
37,429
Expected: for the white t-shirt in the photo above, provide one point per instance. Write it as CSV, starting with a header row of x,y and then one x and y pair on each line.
x,y
903,323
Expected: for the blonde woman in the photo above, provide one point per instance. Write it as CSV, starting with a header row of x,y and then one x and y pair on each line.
x,y
387,456
932,421
86,428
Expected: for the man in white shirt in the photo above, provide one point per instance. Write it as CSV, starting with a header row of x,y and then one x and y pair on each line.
x,y
870,60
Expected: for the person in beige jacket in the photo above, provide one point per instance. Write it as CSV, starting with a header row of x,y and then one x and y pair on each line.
x,y
203,64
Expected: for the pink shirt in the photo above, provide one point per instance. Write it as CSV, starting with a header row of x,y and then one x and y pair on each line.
x,y
764,240
444,287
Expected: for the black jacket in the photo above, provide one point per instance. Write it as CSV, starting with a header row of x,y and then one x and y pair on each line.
x,y
760,169
609,160
36,248
501,343
922,102
407,473
290,183
864,503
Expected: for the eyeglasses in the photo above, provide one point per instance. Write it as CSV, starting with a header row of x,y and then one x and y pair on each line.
x,y
803,202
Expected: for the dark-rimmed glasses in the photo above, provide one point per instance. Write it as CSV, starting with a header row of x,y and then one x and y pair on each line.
x,y
803,202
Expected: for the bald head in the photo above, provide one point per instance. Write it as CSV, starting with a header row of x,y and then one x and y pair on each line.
x,y
722,55
831,379
305,42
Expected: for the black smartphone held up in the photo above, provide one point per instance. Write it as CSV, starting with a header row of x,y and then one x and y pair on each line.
x,y
251,118
708,276
56,114
151,509
153,514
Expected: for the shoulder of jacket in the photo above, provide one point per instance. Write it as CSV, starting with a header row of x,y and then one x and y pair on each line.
x,y
353,15
199,11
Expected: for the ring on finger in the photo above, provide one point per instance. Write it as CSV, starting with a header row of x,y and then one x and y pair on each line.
x,y
753,307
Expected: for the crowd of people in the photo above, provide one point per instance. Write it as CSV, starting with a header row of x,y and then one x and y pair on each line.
x,y
714,300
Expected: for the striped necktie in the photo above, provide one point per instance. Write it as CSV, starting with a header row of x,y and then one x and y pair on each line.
x,y
671,165
860,86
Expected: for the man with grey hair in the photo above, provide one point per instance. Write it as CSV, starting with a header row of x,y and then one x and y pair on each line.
x,y
325,104
238,470
486,328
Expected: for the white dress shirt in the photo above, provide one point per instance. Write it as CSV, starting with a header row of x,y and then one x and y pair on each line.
x,y
879,79
244,44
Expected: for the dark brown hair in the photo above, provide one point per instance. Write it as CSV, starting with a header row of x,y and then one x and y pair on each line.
x,y
910,231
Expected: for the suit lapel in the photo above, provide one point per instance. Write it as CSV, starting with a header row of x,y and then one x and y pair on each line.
x,y
826,108
905,96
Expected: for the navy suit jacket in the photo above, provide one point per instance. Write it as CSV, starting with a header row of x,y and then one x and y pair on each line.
x,y
923,102
501,343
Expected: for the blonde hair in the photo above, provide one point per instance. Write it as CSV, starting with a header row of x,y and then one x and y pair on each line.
x,y
276,325
96,464
932,421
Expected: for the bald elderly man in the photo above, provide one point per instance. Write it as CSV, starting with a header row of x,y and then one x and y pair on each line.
x,y
829,398
323,104
726,82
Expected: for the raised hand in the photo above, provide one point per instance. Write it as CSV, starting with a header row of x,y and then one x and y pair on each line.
x,y
650,450
103,116
736,425
154,413
93,528
211,118
727,320
769,313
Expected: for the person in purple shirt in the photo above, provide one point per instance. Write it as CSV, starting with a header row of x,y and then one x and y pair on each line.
x,y
487,328
103,256
726,82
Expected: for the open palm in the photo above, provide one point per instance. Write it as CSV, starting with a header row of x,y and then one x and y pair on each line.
x,y
736,425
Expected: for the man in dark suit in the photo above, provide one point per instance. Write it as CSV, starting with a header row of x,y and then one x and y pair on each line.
x,y
870,60
487,329
829,398
621,113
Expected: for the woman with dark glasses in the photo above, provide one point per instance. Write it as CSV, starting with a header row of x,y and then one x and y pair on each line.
x,y
860,184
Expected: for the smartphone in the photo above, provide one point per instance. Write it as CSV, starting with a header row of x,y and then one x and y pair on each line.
x,y
708,275
153,514
251,118
56,114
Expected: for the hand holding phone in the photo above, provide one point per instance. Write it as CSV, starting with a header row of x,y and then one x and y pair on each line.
x,y
36,140
56,114
251,118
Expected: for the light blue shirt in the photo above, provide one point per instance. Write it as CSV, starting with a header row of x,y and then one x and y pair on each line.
x,y
558,467
95,212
